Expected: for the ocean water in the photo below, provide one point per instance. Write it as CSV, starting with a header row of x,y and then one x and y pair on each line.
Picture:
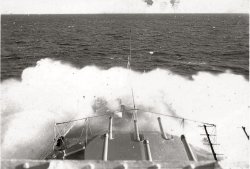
x,y
182,43
55,68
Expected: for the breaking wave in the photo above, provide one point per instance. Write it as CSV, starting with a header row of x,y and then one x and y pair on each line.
x,y
53,91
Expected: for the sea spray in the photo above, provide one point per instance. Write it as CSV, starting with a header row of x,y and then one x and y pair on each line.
x,y
53,91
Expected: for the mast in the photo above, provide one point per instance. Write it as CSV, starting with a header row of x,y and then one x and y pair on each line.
x,y
137,134
129,57
129,67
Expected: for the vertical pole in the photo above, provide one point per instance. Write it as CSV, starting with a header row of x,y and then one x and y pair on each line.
x,y
210,143
105,147
162,129
130,43
148,151
189,151
55,131
244,129
137,137
129,57
86,134
110,127
64,154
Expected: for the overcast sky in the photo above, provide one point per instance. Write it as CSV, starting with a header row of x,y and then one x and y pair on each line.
x,y
123,6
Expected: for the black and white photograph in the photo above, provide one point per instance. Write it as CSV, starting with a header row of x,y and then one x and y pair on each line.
x,y
120,84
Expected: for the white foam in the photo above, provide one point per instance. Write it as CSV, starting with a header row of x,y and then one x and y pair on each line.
x,y
53,91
